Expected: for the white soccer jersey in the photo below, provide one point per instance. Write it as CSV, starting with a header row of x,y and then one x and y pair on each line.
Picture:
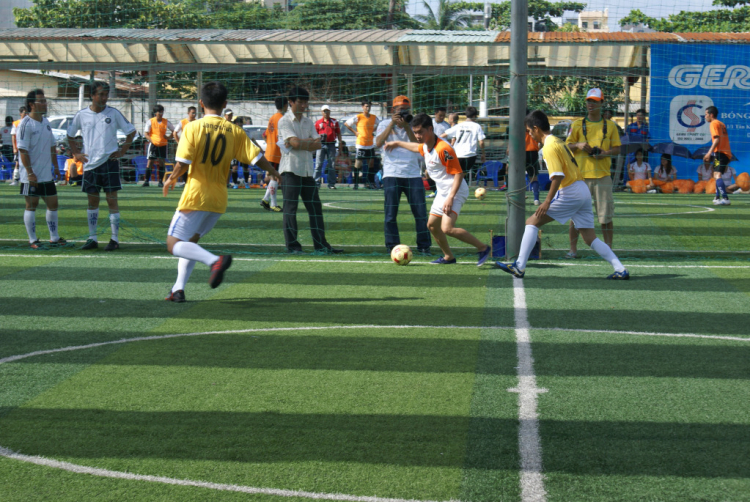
x,y
399,162
37,139
640,172
468,135
5,135
99,132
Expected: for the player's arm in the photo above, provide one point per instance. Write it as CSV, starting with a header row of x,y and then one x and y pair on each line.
x,y
349,125
553,188
381,138
176,132
484,154
267,167
308,145
26,163
75,147
179,170
706,157
412,147
53,158
125,146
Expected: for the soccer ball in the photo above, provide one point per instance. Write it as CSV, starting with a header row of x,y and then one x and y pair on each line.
x,y
401,254
479,193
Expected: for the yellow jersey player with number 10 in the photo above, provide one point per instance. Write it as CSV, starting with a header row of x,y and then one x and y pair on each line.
x,y
206,149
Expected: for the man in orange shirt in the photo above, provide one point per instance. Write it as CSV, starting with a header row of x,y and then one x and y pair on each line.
x,y
156,133
365,132
192,114
273,155
719,153
16,172
532,165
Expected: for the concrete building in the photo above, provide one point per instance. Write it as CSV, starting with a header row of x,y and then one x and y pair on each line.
x,y
594,21
7,20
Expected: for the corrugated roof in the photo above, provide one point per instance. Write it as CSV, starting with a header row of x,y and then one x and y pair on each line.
x,y
449,37
620,37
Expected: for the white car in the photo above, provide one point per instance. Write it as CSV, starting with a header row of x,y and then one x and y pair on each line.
x,y
256,133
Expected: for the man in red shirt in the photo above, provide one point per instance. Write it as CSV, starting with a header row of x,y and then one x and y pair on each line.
x,y
329,131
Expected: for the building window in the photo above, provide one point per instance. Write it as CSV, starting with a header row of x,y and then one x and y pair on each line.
x,y
585,25
597,25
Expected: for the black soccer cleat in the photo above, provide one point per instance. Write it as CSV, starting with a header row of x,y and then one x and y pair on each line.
x,y
90,244
176,296
218,269
113,244
265,205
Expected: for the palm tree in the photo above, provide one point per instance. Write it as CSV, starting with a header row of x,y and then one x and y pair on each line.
x,y
445,18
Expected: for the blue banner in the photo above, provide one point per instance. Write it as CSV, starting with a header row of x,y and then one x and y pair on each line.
x,y
685,80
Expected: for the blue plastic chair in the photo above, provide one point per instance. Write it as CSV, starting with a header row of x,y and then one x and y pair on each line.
x,y
492,170
140,163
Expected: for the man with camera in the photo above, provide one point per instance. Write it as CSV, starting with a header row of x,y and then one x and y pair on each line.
x,y
329,131
402,174
594,140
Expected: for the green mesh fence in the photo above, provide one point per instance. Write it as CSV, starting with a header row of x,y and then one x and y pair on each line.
x,y
260,53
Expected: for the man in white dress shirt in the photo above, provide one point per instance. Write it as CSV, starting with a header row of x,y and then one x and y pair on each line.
x,y
299,138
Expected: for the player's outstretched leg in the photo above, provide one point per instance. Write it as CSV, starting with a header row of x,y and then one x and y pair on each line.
x,y
601,248
518,267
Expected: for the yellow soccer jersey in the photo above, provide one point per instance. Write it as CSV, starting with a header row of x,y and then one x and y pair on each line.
x,y
209,145
559,159
594,136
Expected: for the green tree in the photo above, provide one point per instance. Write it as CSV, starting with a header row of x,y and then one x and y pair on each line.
x,y
733,18
108,14
444,18
348,15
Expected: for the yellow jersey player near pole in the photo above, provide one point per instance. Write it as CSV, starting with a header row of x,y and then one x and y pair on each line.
x,y
205,152
568,199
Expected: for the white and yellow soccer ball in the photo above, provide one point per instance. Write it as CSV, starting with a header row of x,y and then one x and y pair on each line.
x,y
401,254
480,193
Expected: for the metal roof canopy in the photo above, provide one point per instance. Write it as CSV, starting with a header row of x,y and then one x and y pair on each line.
x,y
338,51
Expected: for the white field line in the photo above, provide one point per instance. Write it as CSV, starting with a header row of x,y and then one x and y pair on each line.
x,y
106,473
529,444
530,479
325,260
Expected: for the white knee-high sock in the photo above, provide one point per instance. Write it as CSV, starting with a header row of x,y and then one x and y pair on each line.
x,y
192,251
184,269
527,244
267,196
114,223
16,174
93,216
272,186
29,219
605,252
52,225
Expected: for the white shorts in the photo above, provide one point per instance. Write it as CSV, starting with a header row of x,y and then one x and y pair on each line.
x,y
573,203
185,225
458,201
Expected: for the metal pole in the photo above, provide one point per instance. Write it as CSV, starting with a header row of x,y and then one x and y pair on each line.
x,y
394,75
152,78
514,225
644,78
112,85
627,101
471,90
81,95
198,85
410,86
484,104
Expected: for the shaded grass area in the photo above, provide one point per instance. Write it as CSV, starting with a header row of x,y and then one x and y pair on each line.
x,y
354,219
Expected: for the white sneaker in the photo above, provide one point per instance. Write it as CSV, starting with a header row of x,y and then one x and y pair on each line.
x,y
14,183
651,191
536,202
717,202
571,255
725,202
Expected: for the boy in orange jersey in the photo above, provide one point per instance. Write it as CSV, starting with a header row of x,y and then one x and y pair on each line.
x,y
205,153
192,113
365,132
443,167
273,155
156,133
719,153
568,199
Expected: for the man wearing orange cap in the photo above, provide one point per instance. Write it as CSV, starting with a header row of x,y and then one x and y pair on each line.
x,y
594,140
402,174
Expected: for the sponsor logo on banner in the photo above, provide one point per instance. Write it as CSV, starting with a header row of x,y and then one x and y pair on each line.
x,y
687,123
710,76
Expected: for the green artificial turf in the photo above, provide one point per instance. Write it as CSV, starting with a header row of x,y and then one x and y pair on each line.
x,y
371,405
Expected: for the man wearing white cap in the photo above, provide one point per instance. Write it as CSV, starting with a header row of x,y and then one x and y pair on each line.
x,y
594,141
329,131
228,115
